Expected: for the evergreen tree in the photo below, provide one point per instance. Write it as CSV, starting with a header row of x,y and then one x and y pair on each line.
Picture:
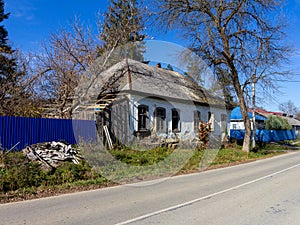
x,y
3,31
121,30
7,64
14,98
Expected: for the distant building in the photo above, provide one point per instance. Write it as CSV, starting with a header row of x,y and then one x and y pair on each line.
x,y
293,121
261,116
236,120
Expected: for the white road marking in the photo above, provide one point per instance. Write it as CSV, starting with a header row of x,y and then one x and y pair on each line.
x,y
204,197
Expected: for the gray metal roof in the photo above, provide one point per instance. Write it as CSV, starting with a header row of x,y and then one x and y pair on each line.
x,y
293,121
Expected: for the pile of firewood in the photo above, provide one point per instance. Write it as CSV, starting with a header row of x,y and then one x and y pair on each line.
x,y
51,154
204,131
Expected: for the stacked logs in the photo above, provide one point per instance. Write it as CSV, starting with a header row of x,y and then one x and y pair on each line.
x,y
204,131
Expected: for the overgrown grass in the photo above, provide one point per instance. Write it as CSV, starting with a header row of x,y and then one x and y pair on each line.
x,y
199,159
282,145
21,178
224,157
140,158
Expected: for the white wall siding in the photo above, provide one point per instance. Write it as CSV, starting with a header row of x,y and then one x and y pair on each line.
x,y
218,127
237,125
186,112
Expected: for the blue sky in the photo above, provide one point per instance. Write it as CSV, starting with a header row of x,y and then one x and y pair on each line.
x,y
31,21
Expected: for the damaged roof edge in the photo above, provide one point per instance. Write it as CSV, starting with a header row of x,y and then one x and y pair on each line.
x,y
147,80
172,99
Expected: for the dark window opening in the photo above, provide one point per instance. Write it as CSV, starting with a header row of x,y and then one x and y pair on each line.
x,y
160,117
197,119
143,117
208,116
223,117
175,120
223,121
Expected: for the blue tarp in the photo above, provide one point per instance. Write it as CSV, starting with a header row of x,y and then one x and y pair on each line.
x,y
237,115
266,135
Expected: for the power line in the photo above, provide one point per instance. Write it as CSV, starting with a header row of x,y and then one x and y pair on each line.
x,y
290,81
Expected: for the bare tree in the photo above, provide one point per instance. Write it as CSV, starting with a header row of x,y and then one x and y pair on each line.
x,y
289,108
67,58
17,96
239,37
298,116
64,59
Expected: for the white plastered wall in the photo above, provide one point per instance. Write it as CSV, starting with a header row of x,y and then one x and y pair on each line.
x,y
186,110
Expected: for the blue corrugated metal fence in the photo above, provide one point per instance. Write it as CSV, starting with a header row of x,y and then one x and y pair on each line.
x,y
266,135
21,131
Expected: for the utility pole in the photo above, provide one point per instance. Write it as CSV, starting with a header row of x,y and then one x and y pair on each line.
x,y
253,110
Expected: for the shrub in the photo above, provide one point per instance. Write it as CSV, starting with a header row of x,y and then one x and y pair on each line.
x,y
17,172
277,123
69,172
136,157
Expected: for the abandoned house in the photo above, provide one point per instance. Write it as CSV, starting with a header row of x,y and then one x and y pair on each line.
x,y
133,102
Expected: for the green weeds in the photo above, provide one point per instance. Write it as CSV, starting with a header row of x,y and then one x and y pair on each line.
x,y
18,174
21,177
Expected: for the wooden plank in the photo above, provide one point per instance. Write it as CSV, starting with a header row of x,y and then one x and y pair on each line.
x,y
171,141
109,94
106,100
101,106
110,145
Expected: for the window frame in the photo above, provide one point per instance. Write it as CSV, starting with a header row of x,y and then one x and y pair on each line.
x,y
143,118
223,117
223,121
197,119
211,120
176,120
160,120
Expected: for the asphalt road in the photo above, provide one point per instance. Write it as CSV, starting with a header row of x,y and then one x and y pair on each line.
x,y
262,192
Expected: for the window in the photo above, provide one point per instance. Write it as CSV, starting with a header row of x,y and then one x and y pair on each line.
x,y
143,117
175,120
223,121
223,117
211,120
197,119
160,117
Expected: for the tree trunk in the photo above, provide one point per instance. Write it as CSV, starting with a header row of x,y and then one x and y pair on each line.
x,y
247,124
244,110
